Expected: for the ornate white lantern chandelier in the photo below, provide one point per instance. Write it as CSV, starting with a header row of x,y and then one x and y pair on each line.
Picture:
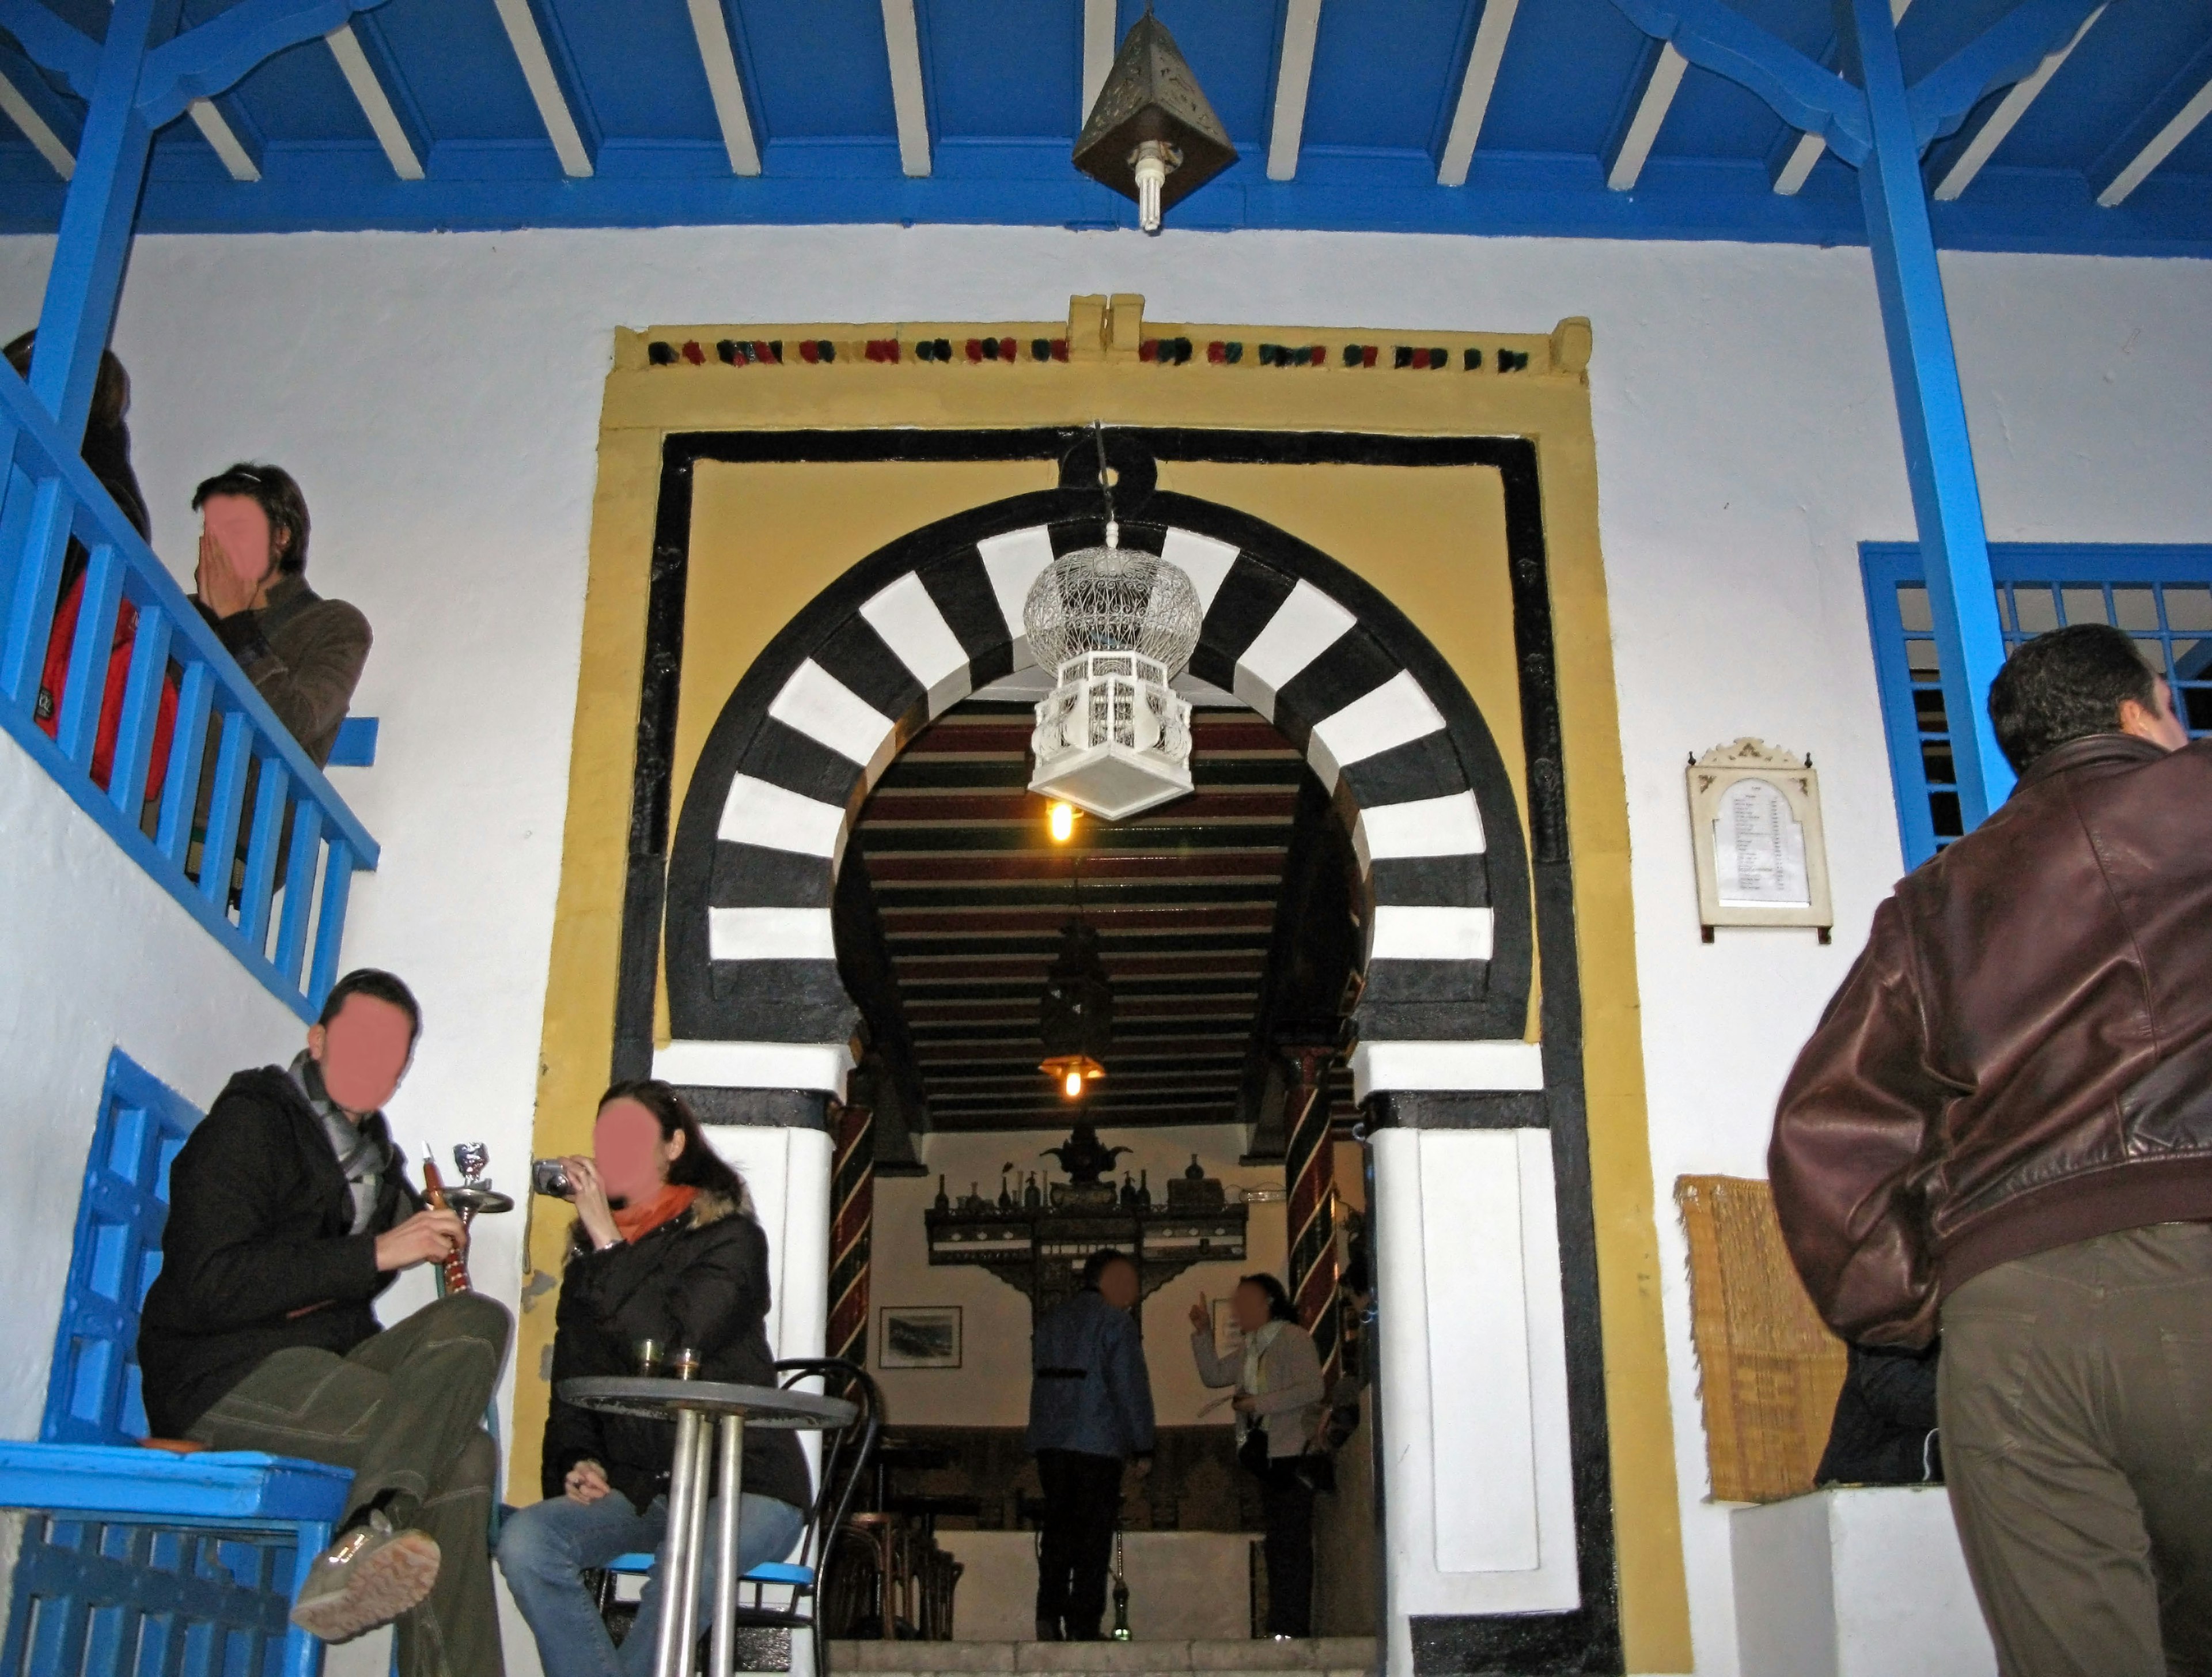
x,y
1114,625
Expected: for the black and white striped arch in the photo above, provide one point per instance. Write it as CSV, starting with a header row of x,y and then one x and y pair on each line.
x,y
755,998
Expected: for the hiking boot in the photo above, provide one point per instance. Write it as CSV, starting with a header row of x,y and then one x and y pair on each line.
x,y
368,1578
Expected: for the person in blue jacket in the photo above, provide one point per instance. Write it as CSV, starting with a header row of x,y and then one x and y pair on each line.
x,y
1091,1410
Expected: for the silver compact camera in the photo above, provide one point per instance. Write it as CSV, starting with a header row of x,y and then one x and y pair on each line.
x,y
549,1177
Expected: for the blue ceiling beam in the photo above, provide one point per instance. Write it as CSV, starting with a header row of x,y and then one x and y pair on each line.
x,y
2008,51
136,87
217,55
67,51
42,109
1805,95
1953,163
492,188
2163,125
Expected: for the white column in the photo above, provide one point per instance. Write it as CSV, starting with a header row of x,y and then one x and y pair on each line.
x,y
787,1171
1477,1475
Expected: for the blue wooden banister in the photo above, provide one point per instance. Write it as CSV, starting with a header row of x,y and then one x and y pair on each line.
x,y
290,941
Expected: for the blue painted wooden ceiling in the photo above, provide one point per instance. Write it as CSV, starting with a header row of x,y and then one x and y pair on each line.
x,y
1000,84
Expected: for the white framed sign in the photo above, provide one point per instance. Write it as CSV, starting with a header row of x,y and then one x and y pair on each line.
x,y
1755,831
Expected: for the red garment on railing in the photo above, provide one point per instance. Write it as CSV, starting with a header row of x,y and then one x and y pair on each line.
x,y
53,688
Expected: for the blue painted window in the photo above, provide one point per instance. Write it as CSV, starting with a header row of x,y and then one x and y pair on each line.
x,y
93,1391
2160,595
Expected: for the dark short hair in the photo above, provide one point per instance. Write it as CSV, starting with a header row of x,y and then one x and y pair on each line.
x,y
110,386
378,986
2066,685
1279,1308
698,1165
1096,1266
277,493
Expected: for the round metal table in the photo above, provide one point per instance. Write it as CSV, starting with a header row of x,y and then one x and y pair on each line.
x,y
701,1409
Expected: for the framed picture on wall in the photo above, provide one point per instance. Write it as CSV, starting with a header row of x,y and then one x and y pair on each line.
x,y
919,1337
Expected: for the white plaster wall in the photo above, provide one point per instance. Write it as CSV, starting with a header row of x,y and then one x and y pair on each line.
x,y
83,930
992,1386
438,397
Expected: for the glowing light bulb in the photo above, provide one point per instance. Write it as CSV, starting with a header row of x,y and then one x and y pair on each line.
x,y
1060,820
1074,1084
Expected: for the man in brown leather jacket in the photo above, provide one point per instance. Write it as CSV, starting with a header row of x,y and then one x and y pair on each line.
x,y
2002,1127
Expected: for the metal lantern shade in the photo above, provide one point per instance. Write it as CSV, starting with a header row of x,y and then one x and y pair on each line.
x,y
1114,625
1151,95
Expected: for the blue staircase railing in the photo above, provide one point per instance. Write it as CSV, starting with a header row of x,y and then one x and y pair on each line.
x,y
218,858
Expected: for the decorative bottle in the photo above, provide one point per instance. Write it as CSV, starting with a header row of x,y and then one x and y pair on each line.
x,y
944,1202
1031,1197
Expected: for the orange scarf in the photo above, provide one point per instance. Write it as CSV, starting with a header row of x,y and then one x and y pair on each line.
x,y
634,1223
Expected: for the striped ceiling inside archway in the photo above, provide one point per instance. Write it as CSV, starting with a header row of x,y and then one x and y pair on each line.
x,y
972,893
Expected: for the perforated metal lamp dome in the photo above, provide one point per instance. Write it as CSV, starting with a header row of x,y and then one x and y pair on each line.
x,y
1114,625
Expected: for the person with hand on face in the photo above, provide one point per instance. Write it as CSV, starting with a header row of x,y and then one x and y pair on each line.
x,y
1091,1410
289,1212
302,653
665,1248
1279,1404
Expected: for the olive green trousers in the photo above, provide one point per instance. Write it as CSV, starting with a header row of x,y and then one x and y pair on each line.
x,y
405,1411
2076,1398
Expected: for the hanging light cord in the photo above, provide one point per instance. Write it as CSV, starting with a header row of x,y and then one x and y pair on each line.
x,y
1105,483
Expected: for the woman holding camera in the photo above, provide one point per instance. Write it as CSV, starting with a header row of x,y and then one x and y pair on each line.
x,y
1278,1405
664,1249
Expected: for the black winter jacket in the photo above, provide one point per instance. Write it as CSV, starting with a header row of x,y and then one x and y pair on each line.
x,y
255,1257
1884,1429
699,1281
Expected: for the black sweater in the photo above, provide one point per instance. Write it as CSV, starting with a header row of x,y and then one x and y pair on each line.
x,y
699,1282
255,1257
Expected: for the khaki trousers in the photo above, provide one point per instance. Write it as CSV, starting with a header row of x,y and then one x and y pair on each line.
x,y
405,1411
2076,1398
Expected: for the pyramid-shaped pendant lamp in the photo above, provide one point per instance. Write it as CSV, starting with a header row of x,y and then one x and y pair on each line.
x,y
1151,136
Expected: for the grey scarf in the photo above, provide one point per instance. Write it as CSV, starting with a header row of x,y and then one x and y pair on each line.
x,y
360,1151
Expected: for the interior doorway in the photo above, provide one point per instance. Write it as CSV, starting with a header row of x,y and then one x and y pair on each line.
x,y
1418,615
1225,926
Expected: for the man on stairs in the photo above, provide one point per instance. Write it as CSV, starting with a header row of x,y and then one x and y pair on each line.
x,y
1091,1410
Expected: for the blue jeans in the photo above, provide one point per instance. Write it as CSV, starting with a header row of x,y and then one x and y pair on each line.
x,y
544,1550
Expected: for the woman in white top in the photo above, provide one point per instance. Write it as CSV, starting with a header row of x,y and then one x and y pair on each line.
x,y
1278,1403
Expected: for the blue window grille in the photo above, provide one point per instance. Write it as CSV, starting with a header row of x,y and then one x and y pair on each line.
x,y
2160,595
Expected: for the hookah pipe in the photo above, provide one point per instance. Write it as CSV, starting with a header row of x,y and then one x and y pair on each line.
x,y
433,1192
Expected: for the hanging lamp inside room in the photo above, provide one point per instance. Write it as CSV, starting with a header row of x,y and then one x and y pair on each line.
x,y
1114,625
1151,136
1076,1020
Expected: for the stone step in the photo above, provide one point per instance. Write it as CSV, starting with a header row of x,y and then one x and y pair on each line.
x,y
1325,1657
